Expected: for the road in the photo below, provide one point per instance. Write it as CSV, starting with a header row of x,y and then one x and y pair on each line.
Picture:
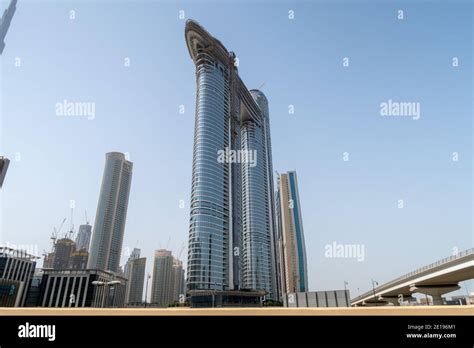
x,y
385,310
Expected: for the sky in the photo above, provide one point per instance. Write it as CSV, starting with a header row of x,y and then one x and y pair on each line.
x,y
50,57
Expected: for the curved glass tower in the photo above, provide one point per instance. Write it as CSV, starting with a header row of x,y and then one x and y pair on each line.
x,y
257,204
109,226
231,241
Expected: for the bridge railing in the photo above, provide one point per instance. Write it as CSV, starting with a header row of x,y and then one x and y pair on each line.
x,y
418,271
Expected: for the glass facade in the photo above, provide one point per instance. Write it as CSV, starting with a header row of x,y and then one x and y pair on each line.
x,y
109,226
292,250
210,200
257,213
300,246
231,243
17,266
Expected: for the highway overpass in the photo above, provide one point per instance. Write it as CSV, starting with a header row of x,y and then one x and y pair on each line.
x,y
436,279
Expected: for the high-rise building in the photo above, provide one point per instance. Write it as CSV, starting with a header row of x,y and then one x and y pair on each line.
x,y
162,282
83,237
109,226
178,281
5,22
48,260
4,162
294,276
258,229
232,241
78,259
135,273
63,249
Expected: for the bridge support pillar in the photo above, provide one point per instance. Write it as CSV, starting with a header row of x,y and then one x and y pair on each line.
x,y
435,291
395,300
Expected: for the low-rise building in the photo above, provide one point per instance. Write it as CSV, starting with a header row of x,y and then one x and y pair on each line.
x,y
81,288
16,272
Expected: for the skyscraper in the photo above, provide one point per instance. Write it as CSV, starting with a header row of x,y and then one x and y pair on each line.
x,y
294,276
63,250
5,22
178,280
109,226
259,243
4,162
84,237
231,234
79,259
162,284
135,273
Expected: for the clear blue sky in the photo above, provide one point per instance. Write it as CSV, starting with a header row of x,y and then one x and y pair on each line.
x,y
300,62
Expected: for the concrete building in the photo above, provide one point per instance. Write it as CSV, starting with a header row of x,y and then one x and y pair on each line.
x,y
135,273
5,22
78,259
48,260
168,282
63,249
462,300
81,288
178,281
232,244
4,162
293,268
34,291
83,237
162,281
16,272
109,226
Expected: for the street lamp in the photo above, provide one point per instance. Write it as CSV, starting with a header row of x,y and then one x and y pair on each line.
x,y
148,276
214,294
111,286
105,293
373,289
100,283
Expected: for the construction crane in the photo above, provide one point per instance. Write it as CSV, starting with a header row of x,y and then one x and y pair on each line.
x,y
55,233
71,231
62,224
54,236
87,220
181,251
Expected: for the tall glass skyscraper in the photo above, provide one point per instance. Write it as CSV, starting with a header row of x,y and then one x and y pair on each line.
x,y
109,226
168,279
5,22
231,233
294,275
135,273
83,237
